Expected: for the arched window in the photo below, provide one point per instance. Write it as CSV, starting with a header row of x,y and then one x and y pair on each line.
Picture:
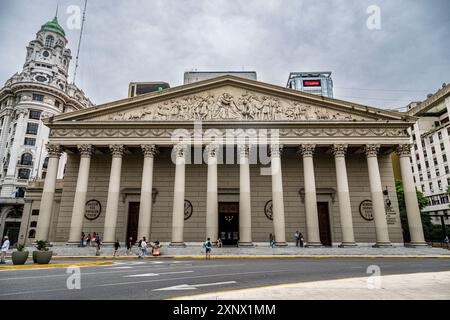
x,y
45,165
32,234
49,41
26,159
33,224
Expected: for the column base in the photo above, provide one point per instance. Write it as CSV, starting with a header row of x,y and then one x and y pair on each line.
x,y
347,245
382,245
245,244
281,244
177,245
416,245
314,245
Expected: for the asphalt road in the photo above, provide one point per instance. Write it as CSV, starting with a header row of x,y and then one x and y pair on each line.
x,y
168,278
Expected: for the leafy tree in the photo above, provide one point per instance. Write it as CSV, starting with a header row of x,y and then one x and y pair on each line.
x,y
428,227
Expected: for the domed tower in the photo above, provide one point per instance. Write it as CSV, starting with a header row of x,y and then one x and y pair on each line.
x,y
48,59
39,91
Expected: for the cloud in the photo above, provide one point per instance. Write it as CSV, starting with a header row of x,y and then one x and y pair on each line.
x,y
139,40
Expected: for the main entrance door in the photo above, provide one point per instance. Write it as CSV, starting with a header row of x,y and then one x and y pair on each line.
x,y
324,223
229,222
133,220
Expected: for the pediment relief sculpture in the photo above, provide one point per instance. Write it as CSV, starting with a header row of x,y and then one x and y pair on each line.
x,y
222,106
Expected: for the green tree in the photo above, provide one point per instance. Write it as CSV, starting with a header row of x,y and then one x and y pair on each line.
x,y
426,219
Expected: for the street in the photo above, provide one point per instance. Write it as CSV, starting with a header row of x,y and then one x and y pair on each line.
x,y
169,278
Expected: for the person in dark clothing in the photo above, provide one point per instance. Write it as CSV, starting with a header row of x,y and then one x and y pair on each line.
x,y
116,248
301,239
129,245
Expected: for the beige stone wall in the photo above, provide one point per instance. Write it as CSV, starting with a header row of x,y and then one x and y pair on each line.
x,y
228,177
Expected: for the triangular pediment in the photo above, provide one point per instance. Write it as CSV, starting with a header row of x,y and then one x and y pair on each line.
x,y
230,98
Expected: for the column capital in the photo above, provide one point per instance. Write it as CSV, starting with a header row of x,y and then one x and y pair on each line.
x,y
117,150
339,150
54,150
403,150
276,150
212,150
149,150
180,150
371,150
306,150
21,112
243,150
86,150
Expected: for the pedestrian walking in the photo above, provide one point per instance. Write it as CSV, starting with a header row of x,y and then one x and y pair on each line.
x,y
143,247
301,239
297,238
93,238
97,244
446,241
219,243
129,245
271,240
5,248
208,248
116,248
82,240
88,240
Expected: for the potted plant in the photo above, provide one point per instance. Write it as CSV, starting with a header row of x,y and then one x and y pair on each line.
x,y
20,256
42,255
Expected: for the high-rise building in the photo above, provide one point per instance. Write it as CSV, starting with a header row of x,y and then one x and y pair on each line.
x,y
39,91
319,83
430,154
195,76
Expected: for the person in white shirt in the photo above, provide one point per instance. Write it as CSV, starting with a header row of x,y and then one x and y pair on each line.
x,y
5,248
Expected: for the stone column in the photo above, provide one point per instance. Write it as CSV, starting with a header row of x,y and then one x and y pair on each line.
x,y
312,218
4,135
409,189
345,207
212,214
178,196
245,205
48,193
145,207
277,196
112,204
379,211
79,204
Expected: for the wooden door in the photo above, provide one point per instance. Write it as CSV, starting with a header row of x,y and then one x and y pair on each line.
x,y
133,220
229,223
324,223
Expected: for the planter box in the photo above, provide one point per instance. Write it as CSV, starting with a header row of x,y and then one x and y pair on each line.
x,y
42,257
19,257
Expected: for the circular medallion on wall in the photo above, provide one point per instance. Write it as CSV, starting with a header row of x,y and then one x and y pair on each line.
x,y
188,209
46,54
41,79
365,210
93,209
268,211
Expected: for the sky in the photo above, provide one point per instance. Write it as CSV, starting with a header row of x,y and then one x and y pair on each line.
x,y
382,53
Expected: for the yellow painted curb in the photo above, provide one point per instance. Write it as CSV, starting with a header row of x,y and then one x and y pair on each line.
x,y
57,265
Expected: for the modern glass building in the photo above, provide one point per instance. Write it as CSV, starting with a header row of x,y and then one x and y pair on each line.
x,y
319,83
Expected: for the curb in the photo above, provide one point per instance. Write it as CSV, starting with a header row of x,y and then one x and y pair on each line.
x,y
57,265
202,257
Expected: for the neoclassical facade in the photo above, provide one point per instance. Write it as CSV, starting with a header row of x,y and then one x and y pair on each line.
x,y
228,158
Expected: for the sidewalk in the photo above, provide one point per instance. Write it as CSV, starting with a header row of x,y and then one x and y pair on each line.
x,y
415,286
260,250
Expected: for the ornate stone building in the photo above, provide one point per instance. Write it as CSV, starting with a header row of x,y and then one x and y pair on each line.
x,y
228,158
41,90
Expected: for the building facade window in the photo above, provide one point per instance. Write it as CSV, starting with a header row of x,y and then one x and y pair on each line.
x,y
26,159
30,141
32,234
49,41
444,157
23,174
32,128
33,224
38,97
35,115
35,212
45,164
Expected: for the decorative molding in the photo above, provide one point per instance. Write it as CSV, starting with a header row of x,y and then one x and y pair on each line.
x,y
339,150
403,150
54,150
243,150
212,150
371,150
149,150
275,150
86,150
307,150
180,150
117,150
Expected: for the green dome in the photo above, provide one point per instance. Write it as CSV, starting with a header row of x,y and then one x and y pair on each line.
x,y
54,26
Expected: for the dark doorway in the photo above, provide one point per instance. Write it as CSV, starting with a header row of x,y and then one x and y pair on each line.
x,y
12,231
324,223
229,223
133,220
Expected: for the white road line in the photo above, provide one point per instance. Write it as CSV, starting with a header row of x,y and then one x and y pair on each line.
x,y
193,286
156,274
118,268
